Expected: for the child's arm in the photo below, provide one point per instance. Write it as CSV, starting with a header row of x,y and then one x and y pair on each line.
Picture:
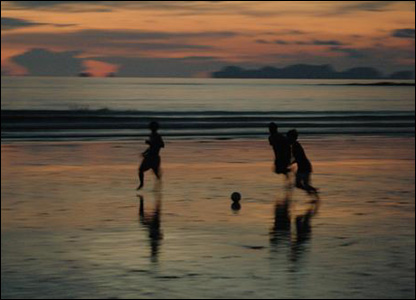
x,y
146,152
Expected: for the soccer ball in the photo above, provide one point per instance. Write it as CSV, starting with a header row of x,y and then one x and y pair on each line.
x,y
236,197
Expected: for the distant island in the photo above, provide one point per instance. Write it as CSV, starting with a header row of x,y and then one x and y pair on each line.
x,y
384,83
304,71
88,74
85,74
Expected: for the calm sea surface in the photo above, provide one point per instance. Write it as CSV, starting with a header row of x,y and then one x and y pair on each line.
x,y
120,108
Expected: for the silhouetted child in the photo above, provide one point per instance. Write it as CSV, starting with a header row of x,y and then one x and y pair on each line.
x,y
281,148
304,171
151,157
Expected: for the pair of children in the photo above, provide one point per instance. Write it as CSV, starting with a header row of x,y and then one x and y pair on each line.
x,y
286,148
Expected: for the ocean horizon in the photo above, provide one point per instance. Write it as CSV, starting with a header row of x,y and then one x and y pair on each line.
x,y
42,108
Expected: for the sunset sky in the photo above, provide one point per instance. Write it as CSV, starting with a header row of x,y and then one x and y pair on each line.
x,y
193,38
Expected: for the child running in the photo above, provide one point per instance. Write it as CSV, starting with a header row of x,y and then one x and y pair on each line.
x,y
151,157
304,171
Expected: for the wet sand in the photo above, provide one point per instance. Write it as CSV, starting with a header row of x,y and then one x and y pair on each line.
x,y
71,227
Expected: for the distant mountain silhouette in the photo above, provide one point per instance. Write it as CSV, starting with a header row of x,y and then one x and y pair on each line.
x,y
402,75
304,71
85,74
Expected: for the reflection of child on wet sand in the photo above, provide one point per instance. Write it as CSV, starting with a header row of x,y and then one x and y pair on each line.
x,y
304,171
152,221
151,157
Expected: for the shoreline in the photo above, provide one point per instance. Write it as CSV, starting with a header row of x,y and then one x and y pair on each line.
x,y
207,139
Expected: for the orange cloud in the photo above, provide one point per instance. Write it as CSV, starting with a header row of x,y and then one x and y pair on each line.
x,y
227,30
100,69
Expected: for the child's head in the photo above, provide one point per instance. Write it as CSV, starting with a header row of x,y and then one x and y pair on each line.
x,y
292,135
272,127
154,126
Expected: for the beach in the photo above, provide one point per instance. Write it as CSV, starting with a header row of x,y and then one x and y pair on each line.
x,y
71,228
208,150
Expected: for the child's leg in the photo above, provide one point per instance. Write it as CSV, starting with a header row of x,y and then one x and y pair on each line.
x,y
299,181
142,169
307,185
157,173
156,168
141,178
